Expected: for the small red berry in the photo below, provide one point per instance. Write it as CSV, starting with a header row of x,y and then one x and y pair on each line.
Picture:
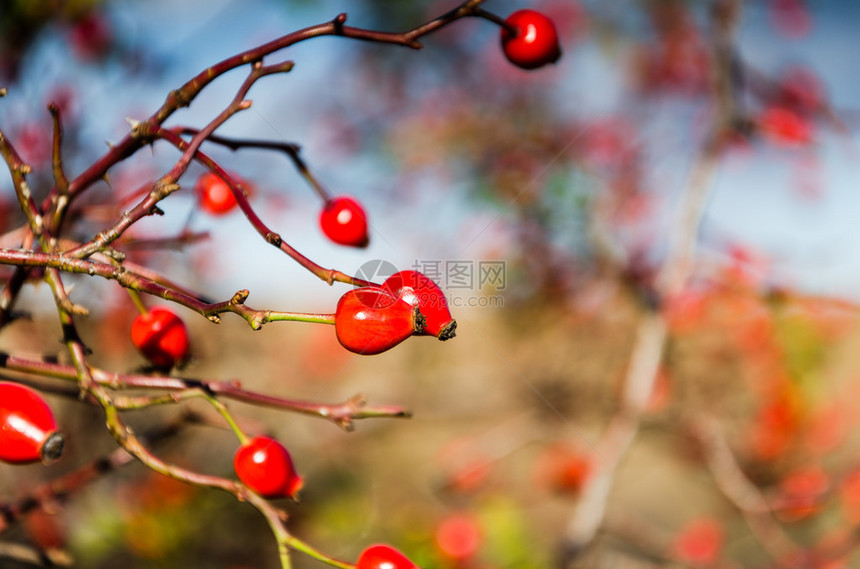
x,y
91,36
785,126
419,290
370,320
791,18
161,337
214,194
700,542
383,557
265,466
563,469
803,493
458,536
28,432
343,221
536,42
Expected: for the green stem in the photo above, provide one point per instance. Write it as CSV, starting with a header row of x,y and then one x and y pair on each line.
x,y
295,543
138,303
221,408
272,316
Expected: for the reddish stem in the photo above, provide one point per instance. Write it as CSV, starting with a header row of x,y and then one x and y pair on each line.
x,y
271,237
342,414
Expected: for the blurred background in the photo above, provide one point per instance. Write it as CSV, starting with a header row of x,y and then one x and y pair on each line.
x,y
547,205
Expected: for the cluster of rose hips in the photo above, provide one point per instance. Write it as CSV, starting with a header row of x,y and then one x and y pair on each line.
x,y
368,320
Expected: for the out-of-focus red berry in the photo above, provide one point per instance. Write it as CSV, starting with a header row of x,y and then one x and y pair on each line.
x,y
214,195
458,536
700,542
785,126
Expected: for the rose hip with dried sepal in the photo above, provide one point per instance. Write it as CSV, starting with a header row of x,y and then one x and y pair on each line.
x,y
28,431
419,290
370,320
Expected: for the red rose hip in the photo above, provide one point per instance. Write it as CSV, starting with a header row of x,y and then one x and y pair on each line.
x,y
161,336
28,432
419,290
343,220
535,42
370,320
382,556
265,466
214,195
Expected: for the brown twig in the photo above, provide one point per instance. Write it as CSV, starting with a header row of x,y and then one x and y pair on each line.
x,y
271,237
742,493
291,149
61,488
39,558
128,279
341,414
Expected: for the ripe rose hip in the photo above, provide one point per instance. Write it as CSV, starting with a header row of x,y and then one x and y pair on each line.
x,y
382,556
563,469
370,320
265,466
458,536
700,542
785,126
161,337
28,432
91,36
343,221
536,42
214,194
419,290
